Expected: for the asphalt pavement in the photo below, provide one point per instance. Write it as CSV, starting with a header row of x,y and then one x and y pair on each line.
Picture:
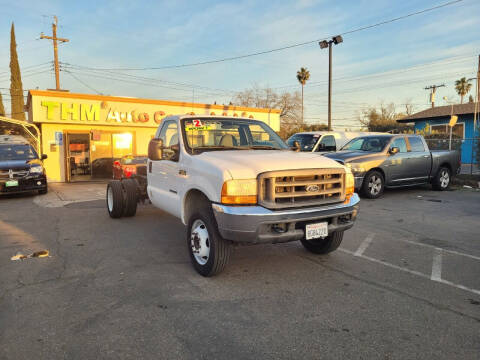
x,y
405,284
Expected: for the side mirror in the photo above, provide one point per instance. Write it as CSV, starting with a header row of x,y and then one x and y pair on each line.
x,y
44,156
394,150
155,149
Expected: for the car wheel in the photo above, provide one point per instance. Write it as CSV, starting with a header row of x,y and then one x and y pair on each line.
x,y
323,246
131,197
373,185
209,252
441,181
115,199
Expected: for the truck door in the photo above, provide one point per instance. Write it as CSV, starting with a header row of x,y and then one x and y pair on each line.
x,y
164,181
419,161
397,164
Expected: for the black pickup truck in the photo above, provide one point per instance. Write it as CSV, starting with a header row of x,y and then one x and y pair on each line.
x,y
21,169
379,161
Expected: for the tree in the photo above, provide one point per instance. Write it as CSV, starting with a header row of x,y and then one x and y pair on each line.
x,y
470,99
383,119
2,108
289,105
302,76
462,86
16,88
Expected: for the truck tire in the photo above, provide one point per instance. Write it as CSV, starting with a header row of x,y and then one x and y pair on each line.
x,y
208,251
373,185
131,197
324,246
441,181
115,199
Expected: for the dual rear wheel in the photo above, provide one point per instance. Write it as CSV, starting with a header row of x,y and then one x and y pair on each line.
x,y
122,198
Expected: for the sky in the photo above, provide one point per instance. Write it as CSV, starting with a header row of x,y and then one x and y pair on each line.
x,y
391,63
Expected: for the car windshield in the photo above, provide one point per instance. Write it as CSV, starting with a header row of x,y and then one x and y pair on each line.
x,y
17,152
368,143
307,141
230,134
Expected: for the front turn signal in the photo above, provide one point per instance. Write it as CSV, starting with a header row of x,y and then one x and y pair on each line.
x,y
349,185
239,192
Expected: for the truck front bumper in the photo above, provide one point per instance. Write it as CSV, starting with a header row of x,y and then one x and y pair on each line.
x,y
256,224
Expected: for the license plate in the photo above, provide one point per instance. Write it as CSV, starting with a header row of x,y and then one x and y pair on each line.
x,y
11,183
315,231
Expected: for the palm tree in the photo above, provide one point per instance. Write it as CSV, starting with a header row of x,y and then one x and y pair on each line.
x,y
463,87
302,76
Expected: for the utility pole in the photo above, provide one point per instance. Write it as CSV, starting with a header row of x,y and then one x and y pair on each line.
x,y
433,90
55,49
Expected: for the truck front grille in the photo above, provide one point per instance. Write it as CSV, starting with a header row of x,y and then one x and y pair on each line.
x,y
16,174
299,188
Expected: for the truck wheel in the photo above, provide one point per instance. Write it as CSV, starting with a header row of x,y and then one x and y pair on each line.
x,y
131,197
115,199
208,251
441,181
373,185
324,246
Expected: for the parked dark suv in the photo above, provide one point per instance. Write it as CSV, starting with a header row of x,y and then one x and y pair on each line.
x,y
21,170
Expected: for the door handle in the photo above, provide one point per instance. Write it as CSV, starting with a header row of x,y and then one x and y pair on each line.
x,y
426,156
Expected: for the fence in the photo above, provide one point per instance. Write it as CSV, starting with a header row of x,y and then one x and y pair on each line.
x,y
469,150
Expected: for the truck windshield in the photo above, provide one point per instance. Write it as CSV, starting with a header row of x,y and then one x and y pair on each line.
x,y
368,143
230,134
17,152
307,141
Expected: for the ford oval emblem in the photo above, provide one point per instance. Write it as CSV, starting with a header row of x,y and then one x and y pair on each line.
x,y
312,188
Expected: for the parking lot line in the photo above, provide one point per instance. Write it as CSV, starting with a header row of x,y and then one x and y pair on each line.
x,y
437,265
446,282
436,247
364,245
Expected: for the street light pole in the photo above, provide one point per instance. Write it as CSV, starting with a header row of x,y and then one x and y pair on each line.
x,y
324,44
330,86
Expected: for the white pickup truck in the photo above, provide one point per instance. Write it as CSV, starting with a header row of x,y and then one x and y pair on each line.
x,y
233,180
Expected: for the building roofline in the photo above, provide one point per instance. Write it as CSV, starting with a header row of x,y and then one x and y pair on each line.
x,y
70,95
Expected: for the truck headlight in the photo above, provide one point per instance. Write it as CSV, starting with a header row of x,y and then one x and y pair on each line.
x,y
239,192
355,168
349,185
36,169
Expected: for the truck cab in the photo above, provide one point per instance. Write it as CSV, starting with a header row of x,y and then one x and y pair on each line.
x,y
233,180
322,141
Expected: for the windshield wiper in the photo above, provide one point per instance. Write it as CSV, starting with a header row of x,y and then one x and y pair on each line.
x,y
214,148
263,147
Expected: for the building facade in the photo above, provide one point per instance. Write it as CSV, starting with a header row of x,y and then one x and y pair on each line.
x,y
437,119
83,134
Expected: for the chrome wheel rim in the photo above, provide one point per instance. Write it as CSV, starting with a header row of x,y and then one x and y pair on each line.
x,y
200,242
375,185
110,199
444,178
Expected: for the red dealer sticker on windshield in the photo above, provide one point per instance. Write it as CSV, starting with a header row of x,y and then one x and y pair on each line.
x,y
197,123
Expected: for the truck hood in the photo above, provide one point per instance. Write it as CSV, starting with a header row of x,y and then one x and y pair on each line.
x,y
351,155
18,164
247,164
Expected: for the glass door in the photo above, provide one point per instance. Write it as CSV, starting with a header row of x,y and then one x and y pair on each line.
x,y
78,157
102,155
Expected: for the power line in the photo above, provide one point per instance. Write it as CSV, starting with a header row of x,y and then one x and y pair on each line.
x,y
83,83
284,47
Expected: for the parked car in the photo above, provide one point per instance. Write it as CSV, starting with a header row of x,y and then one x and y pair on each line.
x,y
21,169
233,180
323,141
379,161
128,166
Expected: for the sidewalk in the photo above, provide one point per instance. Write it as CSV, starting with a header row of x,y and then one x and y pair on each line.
x,y
61,194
